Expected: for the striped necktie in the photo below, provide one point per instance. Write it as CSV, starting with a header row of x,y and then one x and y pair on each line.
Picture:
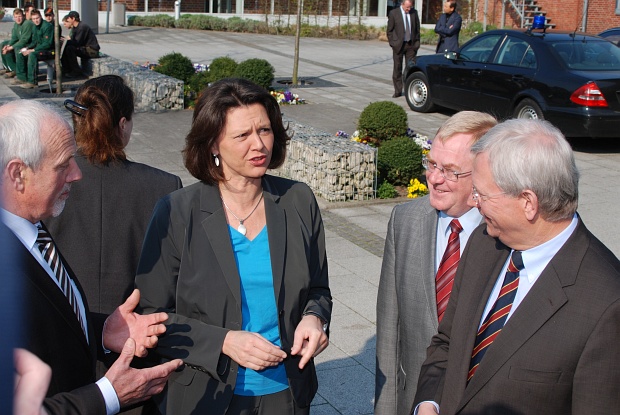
x,y
447,268
51,256
495,320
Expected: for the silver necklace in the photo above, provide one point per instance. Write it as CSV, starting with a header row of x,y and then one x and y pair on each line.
x,y
241,228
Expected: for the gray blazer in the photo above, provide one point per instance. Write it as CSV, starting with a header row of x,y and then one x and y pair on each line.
x,y
406,305
558,353
188,269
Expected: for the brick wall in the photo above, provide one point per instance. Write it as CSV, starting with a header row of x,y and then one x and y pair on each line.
x,y
566,15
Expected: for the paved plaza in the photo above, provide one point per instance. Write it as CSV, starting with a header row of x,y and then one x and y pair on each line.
x,y
347,75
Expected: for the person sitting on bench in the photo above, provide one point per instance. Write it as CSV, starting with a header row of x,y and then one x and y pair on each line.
x,y
81,42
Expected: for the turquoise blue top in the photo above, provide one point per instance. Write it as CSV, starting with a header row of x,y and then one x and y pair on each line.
x,y
259,310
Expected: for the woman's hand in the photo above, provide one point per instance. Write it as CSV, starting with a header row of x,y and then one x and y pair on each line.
x,y
310,339
251,350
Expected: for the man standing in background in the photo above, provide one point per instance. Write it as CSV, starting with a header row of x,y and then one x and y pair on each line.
x,y
403,32
448,28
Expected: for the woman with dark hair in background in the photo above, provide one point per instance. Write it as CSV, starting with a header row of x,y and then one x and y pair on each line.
x,y
101,229
238,261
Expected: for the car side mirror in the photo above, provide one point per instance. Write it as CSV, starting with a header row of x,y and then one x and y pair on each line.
x,y
451,55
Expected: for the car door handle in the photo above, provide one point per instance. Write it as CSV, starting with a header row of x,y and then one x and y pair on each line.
x,y
476,72
517,78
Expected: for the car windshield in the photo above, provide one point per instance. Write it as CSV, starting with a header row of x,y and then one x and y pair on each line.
x,y
588,55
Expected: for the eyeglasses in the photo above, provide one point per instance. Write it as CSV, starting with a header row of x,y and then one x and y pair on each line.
x,y
49,15
451,175
477,197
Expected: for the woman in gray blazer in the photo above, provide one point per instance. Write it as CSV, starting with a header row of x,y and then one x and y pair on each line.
x,y
238,261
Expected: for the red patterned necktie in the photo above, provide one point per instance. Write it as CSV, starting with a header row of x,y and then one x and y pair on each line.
x,y
447,268
495,320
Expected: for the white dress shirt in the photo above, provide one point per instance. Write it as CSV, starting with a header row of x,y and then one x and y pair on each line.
x,y
469,221
535,260
27,233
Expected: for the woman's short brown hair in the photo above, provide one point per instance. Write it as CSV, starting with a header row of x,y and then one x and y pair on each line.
x,y
97,131
209,121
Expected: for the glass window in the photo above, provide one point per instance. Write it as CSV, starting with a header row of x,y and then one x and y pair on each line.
x,y
591,55
516,52
480,49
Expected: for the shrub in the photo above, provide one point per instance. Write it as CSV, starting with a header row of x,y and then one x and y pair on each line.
x,y
380,121
256,70
222,67
399,160
177,66
428,37
158,20
199,81
386,191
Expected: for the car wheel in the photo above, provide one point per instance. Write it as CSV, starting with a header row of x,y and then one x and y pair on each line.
x,y
528,109
418,93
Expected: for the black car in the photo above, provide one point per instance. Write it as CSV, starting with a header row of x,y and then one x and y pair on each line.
x,y
613,35
570,79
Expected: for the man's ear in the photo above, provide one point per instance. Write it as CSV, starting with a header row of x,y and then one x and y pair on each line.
x,y
530,204
15,171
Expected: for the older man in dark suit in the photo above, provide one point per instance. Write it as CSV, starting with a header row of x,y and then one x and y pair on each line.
x,y
403,32
532,326
38,167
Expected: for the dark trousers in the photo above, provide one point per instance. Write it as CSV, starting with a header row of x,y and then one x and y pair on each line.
x,y
277,403
407,52
70,54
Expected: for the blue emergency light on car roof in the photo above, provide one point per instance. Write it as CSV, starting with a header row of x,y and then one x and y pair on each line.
x,y
539,22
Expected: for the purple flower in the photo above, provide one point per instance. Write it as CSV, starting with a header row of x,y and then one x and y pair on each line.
x,y
288,96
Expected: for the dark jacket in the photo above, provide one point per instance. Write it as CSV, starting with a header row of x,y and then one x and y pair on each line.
x,y
188,269
448,29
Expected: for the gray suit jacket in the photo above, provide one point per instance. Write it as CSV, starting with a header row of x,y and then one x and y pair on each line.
x,y
558,353
188,269
406,305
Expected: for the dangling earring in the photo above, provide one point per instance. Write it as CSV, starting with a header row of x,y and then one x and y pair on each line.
x,y
217,160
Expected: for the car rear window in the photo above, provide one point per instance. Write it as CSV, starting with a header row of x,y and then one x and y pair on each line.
x,y
588,55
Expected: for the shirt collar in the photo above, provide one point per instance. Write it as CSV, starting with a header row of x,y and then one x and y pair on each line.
x,y
25,230
469,221
536,259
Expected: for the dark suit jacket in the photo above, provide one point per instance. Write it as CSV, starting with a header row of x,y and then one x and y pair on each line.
x,y
396,29
188,269
557,354
448,29
52,332
102,226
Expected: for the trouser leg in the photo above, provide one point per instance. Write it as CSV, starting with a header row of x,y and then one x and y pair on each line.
x,y
69,59
397,72
8,60
33,69
20,65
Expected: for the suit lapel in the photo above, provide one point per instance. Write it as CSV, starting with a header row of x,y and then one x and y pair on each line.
x,y
50,290
543,300
429,230
216,230
276,225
